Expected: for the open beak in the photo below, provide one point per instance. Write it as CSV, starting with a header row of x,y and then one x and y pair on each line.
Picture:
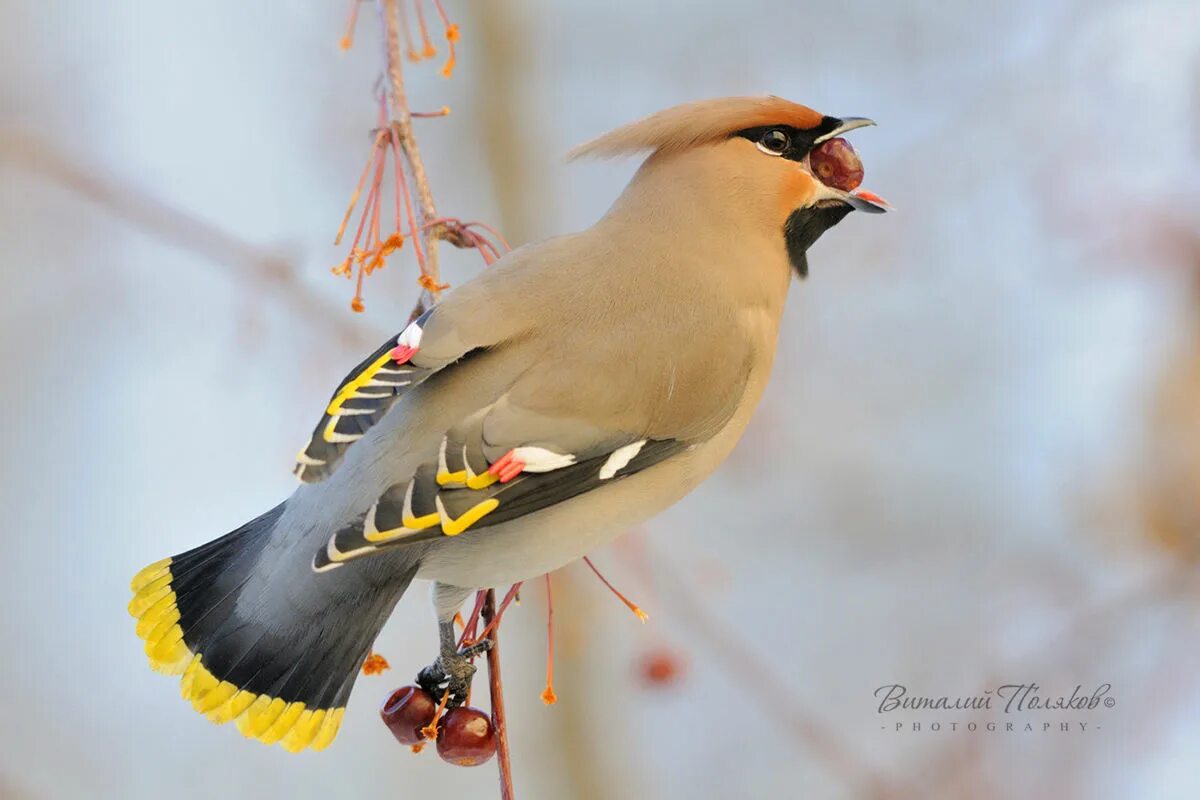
x,y
858,199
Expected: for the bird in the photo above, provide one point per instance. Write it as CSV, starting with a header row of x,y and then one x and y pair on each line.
x,y
573,390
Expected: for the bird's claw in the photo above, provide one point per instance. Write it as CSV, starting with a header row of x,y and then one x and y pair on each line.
x,y
478,648
453,673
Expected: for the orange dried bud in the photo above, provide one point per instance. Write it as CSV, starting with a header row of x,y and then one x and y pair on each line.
x,y
348,36
430,731
427,282
452,33
375,664
356,305
342,268
448,69
375,263
548,696
391,244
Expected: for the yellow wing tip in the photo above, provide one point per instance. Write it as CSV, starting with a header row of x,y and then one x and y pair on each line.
x,y
421,523
481,481
447,478
269,720
453,527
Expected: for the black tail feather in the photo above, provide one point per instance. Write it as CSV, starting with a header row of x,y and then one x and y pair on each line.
x,y
274,646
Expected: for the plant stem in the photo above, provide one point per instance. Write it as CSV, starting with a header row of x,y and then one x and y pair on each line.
x,y
403,131
493,662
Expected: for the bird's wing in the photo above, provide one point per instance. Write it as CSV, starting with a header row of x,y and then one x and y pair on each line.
x,y
612,383
438,338
490,469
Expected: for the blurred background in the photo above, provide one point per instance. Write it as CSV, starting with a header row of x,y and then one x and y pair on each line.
x,y
981,440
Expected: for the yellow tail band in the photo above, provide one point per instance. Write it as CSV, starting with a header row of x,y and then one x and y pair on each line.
x,y
270,720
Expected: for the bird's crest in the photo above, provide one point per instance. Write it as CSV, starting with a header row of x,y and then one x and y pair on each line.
x,y
691,124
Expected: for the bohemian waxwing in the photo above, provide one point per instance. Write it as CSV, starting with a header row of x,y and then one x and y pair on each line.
x,y
576,388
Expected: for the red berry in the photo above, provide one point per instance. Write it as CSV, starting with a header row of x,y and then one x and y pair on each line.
x,y
835,164
661,668
466,737
409,709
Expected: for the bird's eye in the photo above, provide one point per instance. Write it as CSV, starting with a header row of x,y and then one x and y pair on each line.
x,y
774,142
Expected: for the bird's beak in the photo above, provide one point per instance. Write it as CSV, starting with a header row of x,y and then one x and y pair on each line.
x,y
858,199
845,125
862,200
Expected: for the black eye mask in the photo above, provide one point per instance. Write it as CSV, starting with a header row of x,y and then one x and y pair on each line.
x,y
800,140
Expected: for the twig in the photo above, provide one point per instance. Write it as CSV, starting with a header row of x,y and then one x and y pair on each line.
x,y
498,719
508,598
632,606
548,695
403,131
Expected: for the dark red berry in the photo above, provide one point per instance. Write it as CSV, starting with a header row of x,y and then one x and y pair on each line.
x,y
409,709
466,737
835,164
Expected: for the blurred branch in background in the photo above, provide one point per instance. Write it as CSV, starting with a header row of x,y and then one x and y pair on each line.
x,y
763,683
1170,484
275,274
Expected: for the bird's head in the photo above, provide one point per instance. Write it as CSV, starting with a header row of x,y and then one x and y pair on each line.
x,y
768,163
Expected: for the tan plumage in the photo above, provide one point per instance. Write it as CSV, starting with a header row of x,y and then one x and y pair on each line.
x,y
578,387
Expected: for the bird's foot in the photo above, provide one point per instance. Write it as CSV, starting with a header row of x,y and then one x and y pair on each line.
x,y
452,672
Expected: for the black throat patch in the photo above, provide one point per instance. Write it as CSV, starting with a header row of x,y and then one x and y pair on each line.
x,y
805,226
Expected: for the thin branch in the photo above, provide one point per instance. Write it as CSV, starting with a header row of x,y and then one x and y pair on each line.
x,y
498,717
403,131
548,695
508,598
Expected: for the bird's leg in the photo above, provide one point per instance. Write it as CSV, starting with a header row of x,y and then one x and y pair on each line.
x,y
452,670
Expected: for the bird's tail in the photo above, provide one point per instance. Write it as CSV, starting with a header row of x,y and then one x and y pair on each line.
x,y
260,638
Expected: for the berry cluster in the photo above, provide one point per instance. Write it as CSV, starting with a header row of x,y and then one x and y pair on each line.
x,y
465,736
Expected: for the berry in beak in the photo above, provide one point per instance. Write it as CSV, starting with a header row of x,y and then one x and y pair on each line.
x,y
834,163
